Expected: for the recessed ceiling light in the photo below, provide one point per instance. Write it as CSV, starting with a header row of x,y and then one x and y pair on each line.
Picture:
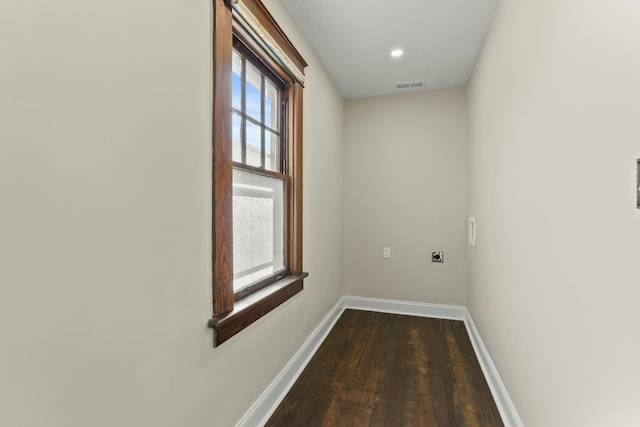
x,y
397,53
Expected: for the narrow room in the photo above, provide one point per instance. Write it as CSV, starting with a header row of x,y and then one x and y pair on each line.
x,y
433,207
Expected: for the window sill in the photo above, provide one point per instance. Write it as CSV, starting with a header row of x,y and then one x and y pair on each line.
x,y
253,307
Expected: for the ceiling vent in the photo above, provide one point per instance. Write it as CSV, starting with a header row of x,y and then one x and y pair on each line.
x,y
411,85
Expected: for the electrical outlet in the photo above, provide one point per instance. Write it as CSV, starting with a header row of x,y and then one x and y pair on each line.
x,y
437,256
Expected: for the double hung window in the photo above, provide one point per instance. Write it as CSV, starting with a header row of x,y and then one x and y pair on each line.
x,y
258,178
257,166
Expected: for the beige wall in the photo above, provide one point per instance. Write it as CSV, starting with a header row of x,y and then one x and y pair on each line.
x,y
405,187
105,218
105,213
554,137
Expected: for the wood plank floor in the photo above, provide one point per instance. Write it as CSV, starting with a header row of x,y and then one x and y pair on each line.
x,y
379,369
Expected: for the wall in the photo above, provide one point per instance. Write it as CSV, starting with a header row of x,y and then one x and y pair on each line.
x,y
105,220
554,138
405,187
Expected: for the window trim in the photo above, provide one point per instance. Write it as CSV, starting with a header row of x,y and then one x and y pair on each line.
x,y
250,21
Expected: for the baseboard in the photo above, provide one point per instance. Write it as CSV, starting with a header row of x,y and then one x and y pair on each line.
x,y
264,407
437,311
268,402
503,401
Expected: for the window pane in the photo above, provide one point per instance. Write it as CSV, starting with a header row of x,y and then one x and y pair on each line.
x,y
272,155
237,137
271,106
254,145
236,81
258,220
253,92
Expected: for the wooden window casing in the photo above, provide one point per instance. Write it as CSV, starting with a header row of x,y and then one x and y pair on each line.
x,y
234,312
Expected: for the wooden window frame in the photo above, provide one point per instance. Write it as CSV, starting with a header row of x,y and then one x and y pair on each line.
x,y
253,25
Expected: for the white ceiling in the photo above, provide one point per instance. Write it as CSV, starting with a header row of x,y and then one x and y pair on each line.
x,y
353,39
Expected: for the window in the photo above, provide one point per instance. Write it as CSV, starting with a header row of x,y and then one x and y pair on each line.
x,y
258,194
257,166
257,112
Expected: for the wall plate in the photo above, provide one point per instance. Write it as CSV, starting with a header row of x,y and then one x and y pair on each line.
x,y
638,184
472,231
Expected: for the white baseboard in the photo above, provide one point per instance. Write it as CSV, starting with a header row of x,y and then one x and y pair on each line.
x,y
437,311
268,402
510,416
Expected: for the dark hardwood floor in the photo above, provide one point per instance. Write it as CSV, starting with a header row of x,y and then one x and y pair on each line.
x,y
378,369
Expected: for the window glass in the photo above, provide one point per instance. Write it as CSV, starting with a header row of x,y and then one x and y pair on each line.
x,y
236,81
271,104
257,112
253,92
272,150
254,145
236,123
258,227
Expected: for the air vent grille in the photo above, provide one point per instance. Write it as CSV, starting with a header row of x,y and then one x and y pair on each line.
x,y
411,85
